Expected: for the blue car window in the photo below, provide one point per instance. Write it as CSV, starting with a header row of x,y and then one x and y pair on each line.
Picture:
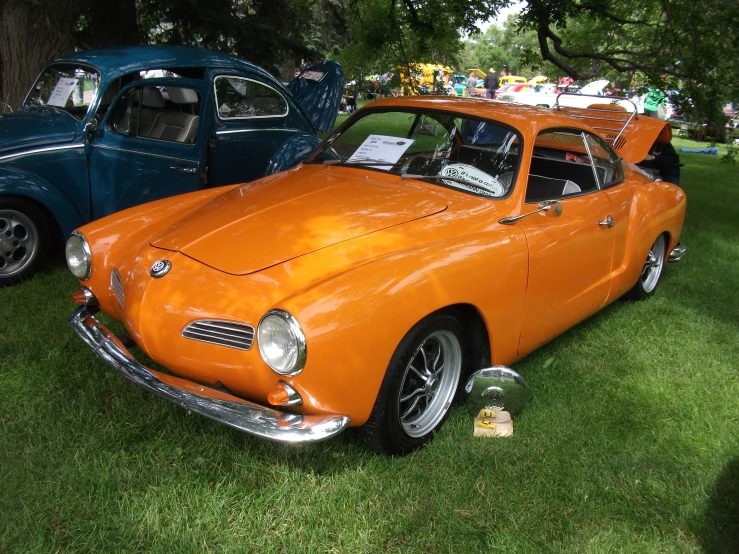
x,y
241,98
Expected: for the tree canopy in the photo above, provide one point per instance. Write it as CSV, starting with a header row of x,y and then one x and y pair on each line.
x,y
669,43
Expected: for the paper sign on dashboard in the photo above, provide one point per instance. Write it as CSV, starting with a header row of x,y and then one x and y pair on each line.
x,y
381,148
61,92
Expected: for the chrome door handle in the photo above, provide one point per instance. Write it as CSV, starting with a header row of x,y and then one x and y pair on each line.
x,y
609,222
188,170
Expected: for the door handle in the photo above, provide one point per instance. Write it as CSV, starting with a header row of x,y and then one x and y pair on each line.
x,y
188,170
609,222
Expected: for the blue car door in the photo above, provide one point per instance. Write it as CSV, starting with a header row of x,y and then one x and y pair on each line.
x,y
150,144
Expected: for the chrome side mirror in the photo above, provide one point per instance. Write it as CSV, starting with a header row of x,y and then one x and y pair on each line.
x,y
497,388
547,207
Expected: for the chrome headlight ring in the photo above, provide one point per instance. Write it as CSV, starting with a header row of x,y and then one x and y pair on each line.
x,y
79,257
282,342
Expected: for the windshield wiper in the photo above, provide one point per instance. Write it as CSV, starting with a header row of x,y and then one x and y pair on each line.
x,y
367,161
405,176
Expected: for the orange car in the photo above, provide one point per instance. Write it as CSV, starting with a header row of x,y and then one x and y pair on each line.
x,y
424,239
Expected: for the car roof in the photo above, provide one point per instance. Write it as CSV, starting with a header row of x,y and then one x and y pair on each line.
x,y
520,116
117,61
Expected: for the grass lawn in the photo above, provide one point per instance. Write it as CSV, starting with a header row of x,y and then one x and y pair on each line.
x,y
630,441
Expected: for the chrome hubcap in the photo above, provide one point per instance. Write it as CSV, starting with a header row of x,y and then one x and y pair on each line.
x,y
18,242
653,266
429,383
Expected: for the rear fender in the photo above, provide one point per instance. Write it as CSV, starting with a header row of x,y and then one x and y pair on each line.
x,y
293,151
14,182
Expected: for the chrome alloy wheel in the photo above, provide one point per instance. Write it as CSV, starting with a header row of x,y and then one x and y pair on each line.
x,y
429,383
653,266
19,242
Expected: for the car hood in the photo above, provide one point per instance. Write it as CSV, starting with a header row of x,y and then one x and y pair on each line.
x,y
36,127
291,214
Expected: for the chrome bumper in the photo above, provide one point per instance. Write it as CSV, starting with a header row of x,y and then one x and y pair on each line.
x,y
230,410
677,254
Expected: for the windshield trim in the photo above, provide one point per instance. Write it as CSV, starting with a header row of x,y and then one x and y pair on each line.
x,y
364,112
67,63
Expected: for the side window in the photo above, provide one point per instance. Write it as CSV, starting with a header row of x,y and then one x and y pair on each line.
x,y
159,113
560,166
241,98
607,164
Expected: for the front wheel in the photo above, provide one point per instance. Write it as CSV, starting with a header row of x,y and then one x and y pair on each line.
x,y
419,387
651,272
23,239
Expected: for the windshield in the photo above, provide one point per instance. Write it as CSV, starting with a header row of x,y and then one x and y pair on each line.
x,y
65,86
477,156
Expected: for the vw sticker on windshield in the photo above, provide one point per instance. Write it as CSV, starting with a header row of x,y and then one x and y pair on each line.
x,y
473,176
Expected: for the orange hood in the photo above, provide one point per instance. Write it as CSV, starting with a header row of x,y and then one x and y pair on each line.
x,y
291,214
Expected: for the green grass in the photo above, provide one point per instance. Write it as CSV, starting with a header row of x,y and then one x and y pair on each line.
x,y
630,441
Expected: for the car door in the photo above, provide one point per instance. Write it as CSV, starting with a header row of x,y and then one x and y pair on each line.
x,y
252,119
149,145
570,255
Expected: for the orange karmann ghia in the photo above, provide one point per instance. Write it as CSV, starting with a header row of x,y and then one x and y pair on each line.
x,y
426,238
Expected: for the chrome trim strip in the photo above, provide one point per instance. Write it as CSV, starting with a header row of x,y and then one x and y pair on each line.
x,y
677,254
598,184
231,334
116,286
41,151
104,147
234,131
260,421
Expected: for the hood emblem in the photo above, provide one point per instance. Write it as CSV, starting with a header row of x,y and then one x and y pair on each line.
x,y
160,268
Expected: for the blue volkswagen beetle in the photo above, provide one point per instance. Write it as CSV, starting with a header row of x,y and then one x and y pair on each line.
x,y
104,130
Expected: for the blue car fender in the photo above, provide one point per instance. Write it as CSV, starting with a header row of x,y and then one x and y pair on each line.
x,y
22,184
291,152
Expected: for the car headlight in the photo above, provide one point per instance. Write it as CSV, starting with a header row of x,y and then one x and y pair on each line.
x,y
281,342
79,258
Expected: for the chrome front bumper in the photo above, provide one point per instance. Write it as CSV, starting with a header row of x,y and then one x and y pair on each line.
x,y
235,412
677,254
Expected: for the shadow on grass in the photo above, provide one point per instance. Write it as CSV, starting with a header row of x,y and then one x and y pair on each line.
x,y
720,531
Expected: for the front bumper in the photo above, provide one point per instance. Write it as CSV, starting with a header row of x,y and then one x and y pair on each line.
x,y
677,254
263,422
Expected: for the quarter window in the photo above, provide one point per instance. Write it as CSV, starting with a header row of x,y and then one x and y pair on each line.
x,y
607,163
240,98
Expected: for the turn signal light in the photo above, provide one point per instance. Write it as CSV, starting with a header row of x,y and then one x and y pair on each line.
x,y
284,395
84,297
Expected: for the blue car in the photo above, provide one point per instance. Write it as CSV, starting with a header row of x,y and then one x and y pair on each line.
x,y
104,130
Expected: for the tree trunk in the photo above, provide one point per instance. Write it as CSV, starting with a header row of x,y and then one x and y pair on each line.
x,y
31,35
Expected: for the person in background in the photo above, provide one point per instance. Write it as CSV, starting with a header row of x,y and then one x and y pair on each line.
x,y
491,83
395,83
471,83
655,99
663,161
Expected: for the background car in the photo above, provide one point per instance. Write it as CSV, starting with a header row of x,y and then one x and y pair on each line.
x,y
425,239
103,130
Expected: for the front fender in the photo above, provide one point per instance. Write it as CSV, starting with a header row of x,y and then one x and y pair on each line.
x,y
15,182
354,321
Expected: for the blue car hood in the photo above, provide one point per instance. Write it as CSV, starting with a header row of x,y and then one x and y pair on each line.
x,y
318,90
36,127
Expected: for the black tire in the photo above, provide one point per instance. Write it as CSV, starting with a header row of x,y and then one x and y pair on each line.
x,y
651,272
398,426
24,239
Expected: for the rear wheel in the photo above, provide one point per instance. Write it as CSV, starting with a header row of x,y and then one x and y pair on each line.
x,y
23,239
419,388
651,272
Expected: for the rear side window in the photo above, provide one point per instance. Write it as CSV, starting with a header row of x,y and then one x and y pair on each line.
x,y
607,163
241,98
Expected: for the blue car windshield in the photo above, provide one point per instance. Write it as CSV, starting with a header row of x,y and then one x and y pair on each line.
x,y
64,86
449,149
